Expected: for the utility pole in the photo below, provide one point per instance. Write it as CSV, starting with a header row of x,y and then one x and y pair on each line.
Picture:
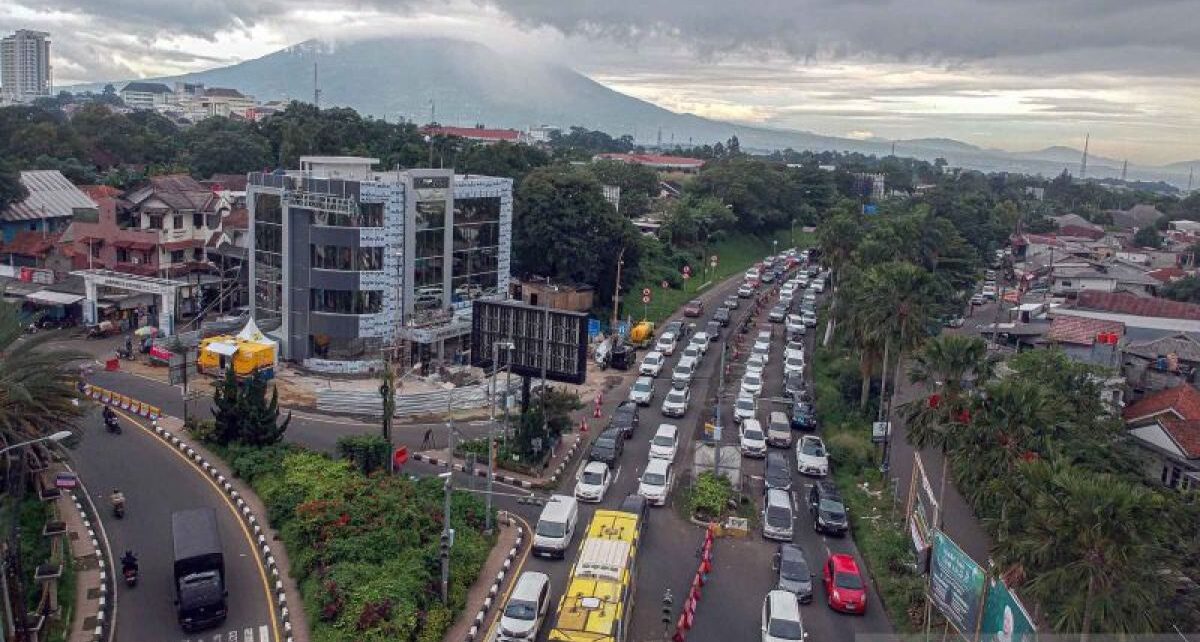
x,y
388,390
316,88
1083,164
617,288
492,426
447,532
717,411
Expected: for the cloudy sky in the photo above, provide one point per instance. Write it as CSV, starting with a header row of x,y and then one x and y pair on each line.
x,y
1011,74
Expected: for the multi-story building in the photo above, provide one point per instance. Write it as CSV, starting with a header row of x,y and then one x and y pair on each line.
x,y
348,261
49,207
25,65
146,95
182,213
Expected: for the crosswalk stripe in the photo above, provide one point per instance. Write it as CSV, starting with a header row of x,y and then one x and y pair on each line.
x,y
263,636
248,636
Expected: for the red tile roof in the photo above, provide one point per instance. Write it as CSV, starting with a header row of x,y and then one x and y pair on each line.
x,y
1180,402
237,219
1081,232
97,192
1137,306
1081,330
477,133
181,245
654,160
1185,434
28,243
1167,274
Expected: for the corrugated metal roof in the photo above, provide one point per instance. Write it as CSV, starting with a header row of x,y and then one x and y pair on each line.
x,y
51,195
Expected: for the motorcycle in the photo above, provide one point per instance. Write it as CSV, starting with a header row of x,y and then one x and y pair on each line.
x,y
119,510
130,573
125,354
113,425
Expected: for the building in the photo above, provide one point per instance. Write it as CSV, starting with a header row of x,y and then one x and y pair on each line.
x,y
182,214
1135,218
1165,362
1144,317
870,186
478,134
146,95
48,208
1166,424
542,133
100,241
656,161
348,260
1078,337
559,296
25,65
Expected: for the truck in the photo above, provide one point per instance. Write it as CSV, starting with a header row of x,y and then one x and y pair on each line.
x,y
200,591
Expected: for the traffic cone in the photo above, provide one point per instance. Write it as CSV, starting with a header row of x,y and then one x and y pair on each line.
x,y
583,425
596,412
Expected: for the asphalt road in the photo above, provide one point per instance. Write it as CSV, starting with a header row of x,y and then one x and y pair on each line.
x,y
156,482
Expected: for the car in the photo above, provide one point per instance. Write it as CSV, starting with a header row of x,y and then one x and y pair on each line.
x,y
701,341
674,327
666,344
593,482
762,348
794,575
745,291
755,364
777,517
777,313
989,293
793,387
607,447
752,383
779,430
768,276
635,504
794,324
744,408
793,344
810,318
954,322
826,508
712,330
642,391
777,473
793,363
844,586
625,418
977,299
526,609
810,296
665,442
764,335
691,352
655,483
722,316
803,416
752,441
785,299
819,286
683,372
781,618
652,364
675,404
753,273
732,302
811,458
694,308
813,270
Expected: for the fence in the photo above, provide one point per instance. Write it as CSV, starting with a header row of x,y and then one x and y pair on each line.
x,y
370,404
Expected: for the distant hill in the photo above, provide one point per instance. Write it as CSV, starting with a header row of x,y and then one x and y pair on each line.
x,y
467,83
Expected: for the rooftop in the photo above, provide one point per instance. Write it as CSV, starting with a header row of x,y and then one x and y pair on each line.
x,y
1181,345
147,87
1137,306
1081,330
178,191
1182,401
653,160
51,195
476,133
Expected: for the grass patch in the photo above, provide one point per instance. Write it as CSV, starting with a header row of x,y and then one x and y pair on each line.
x,y
34,549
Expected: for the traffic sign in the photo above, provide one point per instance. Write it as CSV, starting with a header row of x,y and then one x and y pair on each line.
x,y
713,260
645,291
666,284
400,456
687,270
646,298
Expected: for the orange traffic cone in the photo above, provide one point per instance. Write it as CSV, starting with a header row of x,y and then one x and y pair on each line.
x,y
583,425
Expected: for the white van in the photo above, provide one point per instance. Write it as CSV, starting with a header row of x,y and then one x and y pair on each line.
x,y
526,608
556,526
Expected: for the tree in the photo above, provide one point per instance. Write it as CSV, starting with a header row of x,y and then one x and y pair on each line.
x,y
638,184
1148,237
502,159
837,237
227,419
11,189
38,394
224,146
1186,289
242,413
369,453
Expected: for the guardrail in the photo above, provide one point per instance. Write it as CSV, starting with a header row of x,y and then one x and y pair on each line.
x,y
370,404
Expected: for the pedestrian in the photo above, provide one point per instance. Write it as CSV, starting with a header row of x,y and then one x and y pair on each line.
x,y
428,440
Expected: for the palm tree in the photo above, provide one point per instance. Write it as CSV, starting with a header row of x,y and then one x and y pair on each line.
x,y
837,237
38,393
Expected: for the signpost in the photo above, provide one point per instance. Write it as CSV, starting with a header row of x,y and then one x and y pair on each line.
x,y
955,585
687,274
645,303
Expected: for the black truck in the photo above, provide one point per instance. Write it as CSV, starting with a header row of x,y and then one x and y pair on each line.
x,y
199,569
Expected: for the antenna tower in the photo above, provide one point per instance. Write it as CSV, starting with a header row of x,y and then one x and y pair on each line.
x,y
1124,169
1083,164
316,87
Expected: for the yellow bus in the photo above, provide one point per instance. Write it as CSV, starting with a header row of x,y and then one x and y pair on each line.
x,y
598,600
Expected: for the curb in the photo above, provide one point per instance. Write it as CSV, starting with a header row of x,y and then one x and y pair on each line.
x,y
106,613
494,590
562,466
477,472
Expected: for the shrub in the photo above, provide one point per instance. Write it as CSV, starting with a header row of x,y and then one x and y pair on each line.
x,y
710,496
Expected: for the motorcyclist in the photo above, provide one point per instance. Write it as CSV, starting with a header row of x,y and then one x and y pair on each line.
x,y
118,499
129,561
109,415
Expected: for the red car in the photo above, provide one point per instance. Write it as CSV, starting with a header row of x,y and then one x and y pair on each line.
x,y
844,586
694,308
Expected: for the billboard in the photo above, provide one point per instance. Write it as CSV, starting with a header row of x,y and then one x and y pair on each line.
x,y
922,513
563,335
1004,618
955,585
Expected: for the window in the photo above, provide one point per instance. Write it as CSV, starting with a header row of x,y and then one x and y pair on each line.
x,y
333,257
154,222
197,254
370,214
197,220
370,258
177,256
432,182
431,215
95,247
178,222
323,346
346,301
122,255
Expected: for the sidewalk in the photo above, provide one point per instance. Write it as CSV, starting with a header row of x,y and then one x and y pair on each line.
x,y
557,466
87,549
487,594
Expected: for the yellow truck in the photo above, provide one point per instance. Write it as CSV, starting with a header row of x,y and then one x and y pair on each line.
x,y
598,601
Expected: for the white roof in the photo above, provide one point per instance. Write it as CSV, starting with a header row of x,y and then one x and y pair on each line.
x,y
51,195
602,558
49,297
226,349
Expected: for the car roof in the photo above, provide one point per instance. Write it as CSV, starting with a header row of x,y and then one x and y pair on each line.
x,y
812,438
844,563
751,422
792,551
657,465
595,465
779,496
667,429
654,353
779,415
633,503
666,335
528,585
645,380
699,334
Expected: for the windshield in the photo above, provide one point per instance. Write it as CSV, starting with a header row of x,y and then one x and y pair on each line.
x,y
651,360
521,610
779,516
604,443
642,387
592,478
623,412
753,434
831,508
784,629
847,581
551,529
683,370
745,404
654,479
812,448
663,440
675,397
753,380
794,569
795,361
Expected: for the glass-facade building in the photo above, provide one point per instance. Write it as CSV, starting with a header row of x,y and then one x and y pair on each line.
x,y
348,260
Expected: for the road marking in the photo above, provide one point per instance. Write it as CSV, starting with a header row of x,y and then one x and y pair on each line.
x,y
491,628
245,635
262,571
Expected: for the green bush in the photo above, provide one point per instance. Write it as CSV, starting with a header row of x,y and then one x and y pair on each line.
x,y
709,497
368,453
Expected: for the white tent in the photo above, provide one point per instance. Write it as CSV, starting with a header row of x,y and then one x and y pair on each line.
x,y
252,334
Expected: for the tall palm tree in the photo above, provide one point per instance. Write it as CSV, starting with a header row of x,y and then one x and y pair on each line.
x,y
37,382
837,237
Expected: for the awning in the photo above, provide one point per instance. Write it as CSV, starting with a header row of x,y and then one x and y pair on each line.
x,y
227,349
48,297
134,245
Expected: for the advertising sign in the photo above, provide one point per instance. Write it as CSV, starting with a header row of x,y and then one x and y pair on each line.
x,y
1004,618
593,328
563,334
955,584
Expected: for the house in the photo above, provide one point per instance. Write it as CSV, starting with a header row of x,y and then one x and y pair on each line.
x,y
1167,275
656,161
1074,225
1073,280
1166,424
478,134
182,213
146,95
100,241
1144,317
1185,227
1165,362
559,296
1078,337
48,208
223,101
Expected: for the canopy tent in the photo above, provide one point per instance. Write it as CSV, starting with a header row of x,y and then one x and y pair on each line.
x,y
50,297
252,334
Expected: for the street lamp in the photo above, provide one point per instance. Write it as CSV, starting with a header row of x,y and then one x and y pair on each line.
x,y
58,436
507,345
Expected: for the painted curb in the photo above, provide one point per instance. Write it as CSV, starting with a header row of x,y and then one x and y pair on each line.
x,y
494,590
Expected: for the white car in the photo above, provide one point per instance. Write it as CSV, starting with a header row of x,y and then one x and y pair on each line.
x,y
781,617
810,319
810,456
676,402
755,364
752,384
794,324
666,344
700,340
745,291
656,481
652,364
527,607
683,372
819,286
593,482
796,344
762,348
793,363
665,442
753,274
744,408
753,442
691,352
763,335
642,391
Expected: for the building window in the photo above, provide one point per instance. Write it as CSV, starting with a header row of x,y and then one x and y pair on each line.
x,y
197,220
367,215
177,256
95,247
178,224
370,214
346,301
122,255
323,346
432,182
197,254
154,222
370,259
268,257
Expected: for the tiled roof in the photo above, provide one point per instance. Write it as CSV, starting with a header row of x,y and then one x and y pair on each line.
x,y
51,195
1181,402
97,192
653,160
1167,274
28,243
1180,345
237,219
1081,330
477,133
1081,232
1185,434
231,182
223,92
178,191
1137,306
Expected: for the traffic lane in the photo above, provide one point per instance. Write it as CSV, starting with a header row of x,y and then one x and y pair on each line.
x,y
156,482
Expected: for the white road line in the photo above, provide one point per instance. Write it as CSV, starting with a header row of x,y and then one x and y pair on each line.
x,y
263,633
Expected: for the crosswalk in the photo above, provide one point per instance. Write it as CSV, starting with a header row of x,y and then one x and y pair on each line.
x,y
249,634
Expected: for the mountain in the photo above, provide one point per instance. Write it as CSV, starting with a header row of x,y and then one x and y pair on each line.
x,y
459,82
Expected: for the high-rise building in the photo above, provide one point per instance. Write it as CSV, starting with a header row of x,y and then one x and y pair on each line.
x,y
347,261
25,65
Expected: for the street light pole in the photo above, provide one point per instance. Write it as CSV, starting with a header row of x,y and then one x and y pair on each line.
x,y
491,429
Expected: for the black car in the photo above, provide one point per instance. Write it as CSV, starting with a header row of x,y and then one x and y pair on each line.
x,y
794,573
827,510
713,329
793,386
777,313
722,316
778,472
607,447
635,504
803,416
674,327
625,418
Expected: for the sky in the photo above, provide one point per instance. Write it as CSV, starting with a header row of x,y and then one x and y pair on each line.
x,y
1010,74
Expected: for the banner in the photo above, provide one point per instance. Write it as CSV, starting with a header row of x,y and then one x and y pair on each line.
x,y
955,585
1004,618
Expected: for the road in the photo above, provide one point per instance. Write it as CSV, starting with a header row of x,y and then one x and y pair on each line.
x,y
157,481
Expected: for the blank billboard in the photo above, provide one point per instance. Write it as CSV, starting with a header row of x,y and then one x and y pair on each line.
x,y
563,335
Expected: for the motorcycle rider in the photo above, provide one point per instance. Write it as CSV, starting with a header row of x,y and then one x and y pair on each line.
x,y
117,498
109,415
129,561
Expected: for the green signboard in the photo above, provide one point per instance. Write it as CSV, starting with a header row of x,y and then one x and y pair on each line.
x,y
955,585
1004,619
